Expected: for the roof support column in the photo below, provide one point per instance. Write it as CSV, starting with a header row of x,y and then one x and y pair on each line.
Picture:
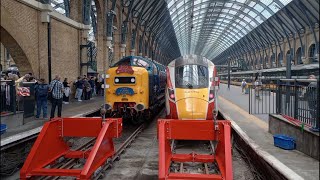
x,y
123,50
311,26
140,45
133,42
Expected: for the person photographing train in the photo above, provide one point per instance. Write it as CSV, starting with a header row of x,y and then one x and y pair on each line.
x,y
243,85
257,86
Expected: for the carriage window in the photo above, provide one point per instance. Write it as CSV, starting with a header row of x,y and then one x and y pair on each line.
x,y
192,76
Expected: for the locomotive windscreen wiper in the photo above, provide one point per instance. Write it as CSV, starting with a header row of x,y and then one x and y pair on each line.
x,y
189,85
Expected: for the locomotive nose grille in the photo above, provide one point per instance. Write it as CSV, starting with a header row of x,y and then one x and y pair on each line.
x,y
124,80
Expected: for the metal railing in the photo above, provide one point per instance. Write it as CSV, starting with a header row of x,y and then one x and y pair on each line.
x,y
299,99
262,99
8,97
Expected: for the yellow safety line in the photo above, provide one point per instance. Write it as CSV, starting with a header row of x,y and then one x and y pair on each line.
x,y
249,118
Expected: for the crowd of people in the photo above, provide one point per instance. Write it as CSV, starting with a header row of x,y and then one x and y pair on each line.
x,y
59,92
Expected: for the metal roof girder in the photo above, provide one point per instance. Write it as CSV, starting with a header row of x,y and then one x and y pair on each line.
x,y
289,14
310,25
124,27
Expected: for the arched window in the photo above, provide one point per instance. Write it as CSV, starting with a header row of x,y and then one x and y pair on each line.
x,y
7,55
273,60
288,56
280,59
312,53
299,56
265,62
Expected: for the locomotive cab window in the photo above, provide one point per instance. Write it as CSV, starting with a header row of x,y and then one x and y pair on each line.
x,y
192,76
140,63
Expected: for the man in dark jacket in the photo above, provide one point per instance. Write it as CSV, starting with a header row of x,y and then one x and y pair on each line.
x,y
41,91
91,82
79,86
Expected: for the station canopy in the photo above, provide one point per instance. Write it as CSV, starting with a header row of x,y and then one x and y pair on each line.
x,y
208,27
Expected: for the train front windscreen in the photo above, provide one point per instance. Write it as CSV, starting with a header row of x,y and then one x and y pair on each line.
x,y
192,76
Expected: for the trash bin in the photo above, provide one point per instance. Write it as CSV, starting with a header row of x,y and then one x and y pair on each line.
x,y
26,92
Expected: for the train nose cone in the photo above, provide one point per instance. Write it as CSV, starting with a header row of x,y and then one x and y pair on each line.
x,y
192,108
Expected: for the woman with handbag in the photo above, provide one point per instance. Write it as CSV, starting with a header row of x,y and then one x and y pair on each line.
x,y
67,91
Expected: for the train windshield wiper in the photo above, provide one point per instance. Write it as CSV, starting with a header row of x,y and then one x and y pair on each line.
x,y
189,85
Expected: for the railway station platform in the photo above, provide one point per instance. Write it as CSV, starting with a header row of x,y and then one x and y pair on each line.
x,y
33,126
234,106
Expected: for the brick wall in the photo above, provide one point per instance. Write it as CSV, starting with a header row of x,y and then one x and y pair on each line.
x,y
65,50
26,37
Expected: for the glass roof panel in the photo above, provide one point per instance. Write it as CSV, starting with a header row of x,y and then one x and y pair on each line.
x,y
207,28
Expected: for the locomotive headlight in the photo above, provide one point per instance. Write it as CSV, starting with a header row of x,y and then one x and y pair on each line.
x,y
133,80
116,80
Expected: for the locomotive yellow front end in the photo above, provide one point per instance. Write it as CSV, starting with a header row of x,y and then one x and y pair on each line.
x,y
127,89
189,101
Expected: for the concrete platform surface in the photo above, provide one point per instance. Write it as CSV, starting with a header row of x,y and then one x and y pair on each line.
x,y
33,126
234,104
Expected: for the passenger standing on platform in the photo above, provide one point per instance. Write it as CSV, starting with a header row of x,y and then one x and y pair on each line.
x,y
79,86
67,91
97,84
91,82
257,86
312,98
243,85
87,89
41,91
56,87
101,81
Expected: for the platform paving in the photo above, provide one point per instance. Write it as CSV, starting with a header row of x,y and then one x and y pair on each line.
x,y
234,104
33,125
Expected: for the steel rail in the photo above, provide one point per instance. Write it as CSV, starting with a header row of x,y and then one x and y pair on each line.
x,y
121,149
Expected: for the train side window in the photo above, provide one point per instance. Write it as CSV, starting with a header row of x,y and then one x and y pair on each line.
x,y
140,63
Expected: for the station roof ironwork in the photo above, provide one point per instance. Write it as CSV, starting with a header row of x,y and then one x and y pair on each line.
x,y
154,17
293,20
208,28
